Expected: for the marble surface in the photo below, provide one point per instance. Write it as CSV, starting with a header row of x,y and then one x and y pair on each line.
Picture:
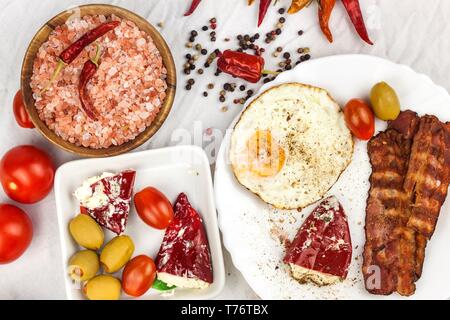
x,y
404,31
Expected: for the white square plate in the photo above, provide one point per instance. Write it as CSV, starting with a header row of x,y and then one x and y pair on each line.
x,y
172,170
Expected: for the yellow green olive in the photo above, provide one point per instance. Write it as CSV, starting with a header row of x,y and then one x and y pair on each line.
x,y
385,103
103,287
116,253
83,265
86,232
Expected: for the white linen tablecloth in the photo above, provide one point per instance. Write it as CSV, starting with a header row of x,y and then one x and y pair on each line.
x,y
410,32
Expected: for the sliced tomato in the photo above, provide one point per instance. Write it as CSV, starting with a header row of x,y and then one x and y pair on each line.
x,y
359,119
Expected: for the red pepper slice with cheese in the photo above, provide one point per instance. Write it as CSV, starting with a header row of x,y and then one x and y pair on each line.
x,y
115,192
184,259
322,249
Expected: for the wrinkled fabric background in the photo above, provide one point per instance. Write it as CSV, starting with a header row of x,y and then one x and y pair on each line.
x,y
410,32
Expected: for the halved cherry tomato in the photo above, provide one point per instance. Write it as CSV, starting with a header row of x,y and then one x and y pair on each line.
x,y
359,119
153,207
26,174
138,276
16,232
20,112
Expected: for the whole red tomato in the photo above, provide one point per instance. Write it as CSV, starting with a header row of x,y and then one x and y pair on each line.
x,y
153,207
138,275
20,112
359,119
26,174
16,232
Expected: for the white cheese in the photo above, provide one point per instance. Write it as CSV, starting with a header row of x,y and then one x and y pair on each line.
x,y
307,275
182,282
92,200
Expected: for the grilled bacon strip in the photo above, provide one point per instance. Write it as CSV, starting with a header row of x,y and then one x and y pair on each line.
x,y
407,123
428,174
389,251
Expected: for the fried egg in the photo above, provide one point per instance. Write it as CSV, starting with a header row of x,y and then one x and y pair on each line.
x,y
290,145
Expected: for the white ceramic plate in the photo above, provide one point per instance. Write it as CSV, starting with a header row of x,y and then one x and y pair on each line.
x,y
248,224
171,170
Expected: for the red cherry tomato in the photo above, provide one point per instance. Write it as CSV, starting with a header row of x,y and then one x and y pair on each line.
x,y
20,112
138,276
26,174
359,119
153,207
16,232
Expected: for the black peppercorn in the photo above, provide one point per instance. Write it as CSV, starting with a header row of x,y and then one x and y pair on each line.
x,y
188,87
286,55
281,10
205,94
192,67
204,51
188,56
191,81
204,28
278,31
300,32
200,71
242,87
282,20
191,39
222,99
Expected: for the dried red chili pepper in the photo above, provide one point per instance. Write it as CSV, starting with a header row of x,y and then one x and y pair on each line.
x,y
192,8
71,53
263,6
242,65
297,5
354,11
88,71
325,10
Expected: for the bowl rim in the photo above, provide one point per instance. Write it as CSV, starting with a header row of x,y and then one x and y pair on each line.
x,y
141,138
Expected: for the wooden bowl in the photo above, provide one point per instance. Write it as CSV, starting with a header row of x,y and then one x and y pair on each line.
x,y
107,10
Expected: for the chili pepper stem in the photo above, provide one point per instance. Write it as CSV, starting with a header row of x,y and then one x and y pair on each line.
x,y
61,64
270,72
96,58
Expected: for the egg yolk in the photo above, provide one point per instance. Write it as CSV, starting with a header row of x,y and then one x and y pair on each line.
x,y
265,156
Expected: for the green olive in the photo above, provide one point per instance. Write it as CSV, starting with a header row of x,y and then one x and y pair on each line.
x,y
385,103
116,253
86,232
84,265
103,287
